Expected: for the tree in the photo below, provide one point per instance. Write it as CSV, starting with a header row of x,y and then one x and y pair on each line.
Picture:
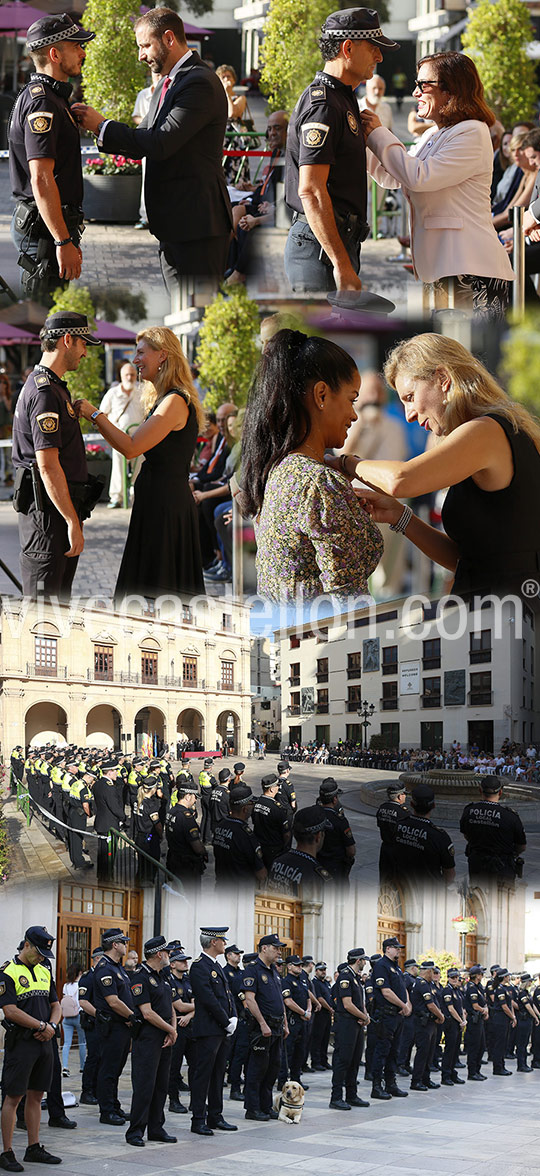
x,y
228,351
496,38
112,75
521,359
290,53
109,301
88,380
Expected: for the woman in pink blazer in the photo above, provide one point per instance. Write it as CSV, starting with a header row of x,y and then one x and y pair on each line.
x,y
446,178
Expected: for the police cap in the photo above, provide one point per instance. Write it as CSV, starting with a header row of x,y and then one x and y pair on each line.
x,y
41,939
293,959
489,784
502,973
250,957
410,964
394,790
356,953
208,763
51,29
109,764
307,822
392,942
423,793
233,947
152,946
358,24
68,322
177,956
452,972
241,795
476,970
376,956
113,935
284,766
427,964
175,945
268,781
270,941
224,775
239,767
98,951
329,787
308,960
320,966
215,932
526,978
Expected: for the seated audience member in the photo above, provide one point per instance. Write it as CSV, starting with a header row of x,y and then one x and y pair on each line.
x,y
520,196
260,207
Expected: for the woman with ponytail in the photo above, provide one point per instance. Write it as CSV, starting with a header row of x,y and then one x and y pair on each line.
x,y
312,535
162,555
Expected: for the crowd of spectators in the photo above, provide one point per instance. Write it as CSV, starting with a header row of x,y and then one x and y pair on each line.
x,y
517,761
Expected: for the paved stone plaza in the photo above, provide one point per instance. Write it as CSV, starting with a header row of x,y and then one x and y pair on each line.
x,y
487,1129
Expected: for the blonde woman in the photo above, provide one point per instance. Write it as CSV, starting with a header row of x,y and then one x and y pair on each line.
x,y
162,553
489,456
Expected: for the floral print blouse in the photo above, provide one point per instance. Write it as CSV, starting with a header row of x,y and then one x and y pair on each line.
x,y
313,536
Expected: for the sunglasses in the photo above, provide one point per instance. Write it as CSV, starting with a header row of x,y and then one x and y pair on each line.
x,y
420,85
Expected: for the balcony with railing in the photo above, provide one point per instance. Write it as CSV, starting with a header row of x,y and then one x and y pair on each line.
x,y
476,656
353,705
480,698
321,708
36,671
322,676
431,700
292,711
354,672
389,703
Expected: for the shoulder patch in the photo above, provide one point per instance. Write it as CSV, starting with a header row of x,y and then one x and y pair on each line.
x,y
249,982
40,122
314,134
106,980
2,987
47,422
82,991
380,981
344,983
136,989
41,380
317,93
70,409
353,125
36,89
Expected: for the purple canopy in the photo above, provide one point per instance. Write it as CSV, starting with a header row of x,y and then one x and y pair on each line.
x,y
17,18
10,334
110,333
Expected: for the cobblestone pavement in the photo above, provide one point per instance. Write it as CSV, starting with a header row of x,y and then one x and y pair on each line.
x,y
453,1131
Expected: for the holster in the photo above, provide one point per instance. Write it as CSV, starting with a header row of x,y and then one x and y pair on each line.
x,y
104,1022
22,491
85,495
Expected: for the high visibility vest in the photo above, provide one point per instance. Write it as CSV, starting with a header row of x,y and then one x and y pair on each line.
x,y
204,779
25,983
56,775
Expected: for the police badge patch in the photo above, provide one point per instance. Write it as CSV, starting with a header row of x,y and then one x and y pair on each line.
x,y
154,982
136,989
106,980
24,983
344,983
317,93
2,988
70,409
37,89
264,978
47,422
40,122
352,122
41,381
249,982
314,134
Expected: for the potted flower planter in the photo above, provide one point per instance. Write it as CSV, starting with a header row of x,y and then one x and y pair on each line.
x,y
112,190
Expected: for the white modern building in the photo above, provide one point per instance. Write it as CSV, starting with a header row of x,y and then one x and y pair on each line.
x,y
426,674
265,687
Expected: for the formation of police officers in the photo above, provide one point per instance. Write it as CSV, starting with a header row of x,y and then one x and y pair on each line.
x,y
413,845
252,836
263,1022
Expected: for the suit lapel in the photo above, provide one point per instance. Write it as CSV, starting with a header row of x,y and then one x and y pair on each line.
x,y
155,107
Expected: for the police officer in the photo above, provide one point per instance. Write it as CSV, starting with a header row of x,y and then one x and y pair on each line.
x,y
475,1005
110,814
237,852
214,1021
536,1029
148,830
79,808
296,997
185,1011
88,1023
501,1015
419,847
338,849
32,1012
391,1004
219,798
45,158
52,492
387,816
239,1043
114,1018
297,871
271,820
322,1022
186,856
526,1016
17,767
427,1015
325,177
154,1032
267,1029
206,783
494,833
454,1024
407,1033
286,794
369,1001
350,1017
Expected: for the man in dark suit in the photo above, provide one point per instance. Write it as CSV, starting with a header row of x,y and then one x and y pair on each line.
x,y
214,1022
182,139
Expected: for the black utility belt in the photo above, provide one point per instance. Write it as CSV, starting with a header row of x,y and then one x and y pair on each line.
x,y
28,219
28,489
349,223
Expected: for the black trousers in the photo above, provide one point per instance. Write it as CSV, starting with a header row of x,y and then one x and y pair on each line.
x,y
536,1045
499,1036
238,1054
452,1040
205,815
262,1069
114,1053
475,1043
371,1038
322,1024
387,1034
406,1042
207,1078
45,569
91,1065
292,1058
348,1041
425,1039
150,1065
523,1033
182,1048
76,819
205,257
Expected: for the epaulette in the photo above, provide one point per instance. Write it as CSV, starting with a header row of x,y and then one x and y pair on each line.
x,y
37,89
317,92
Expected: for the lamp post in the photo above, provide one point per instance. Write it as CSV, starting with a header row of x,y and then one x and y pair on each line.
x,y
365,711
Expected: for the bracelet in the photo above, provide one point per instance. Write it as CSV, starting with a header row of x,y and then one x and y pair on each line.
x,y
53,1026
403,521
95,414
343,463
65,242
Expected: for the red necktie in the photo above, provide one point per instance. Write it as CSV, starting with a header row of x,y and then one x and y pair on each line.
x,y
166,85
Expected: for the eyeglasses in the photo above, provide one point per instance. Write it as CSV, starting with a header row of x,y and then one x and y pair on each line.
x,y
419,85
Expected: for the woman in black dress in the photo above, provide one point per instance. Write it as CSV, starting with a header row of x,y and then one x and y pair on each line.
x,y
489,456
162,554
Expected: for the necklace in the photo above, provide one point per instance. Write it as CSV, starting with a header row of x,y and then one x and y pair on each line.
x,y
316,455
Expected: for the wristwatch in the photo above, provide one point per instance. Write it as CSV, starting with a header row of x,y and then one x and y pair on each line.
x,y
42,1026
54,1027
66,241
95,414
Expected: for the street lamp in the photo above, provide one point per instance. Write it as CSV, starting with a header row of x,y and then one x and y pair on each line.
x,y
365,711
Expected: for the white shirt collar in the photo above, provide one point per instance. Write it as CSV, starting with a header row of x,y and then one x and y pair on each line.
x,y
173,72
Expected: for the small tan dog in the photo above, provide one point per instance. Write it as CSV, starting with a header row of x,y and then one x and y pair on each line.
x,y
290,1102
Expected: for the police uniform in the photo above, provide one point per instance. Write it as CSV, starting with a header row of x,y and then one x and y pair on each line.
x,y
17,768
93,1043
110,814
79,795
147,829
322,1024
214,1008
452,998
237,852
239,1043
420,848
475,1037
43,127
423,993
494,835
296,872
407,1032
114,1031
387,816
499,1021
525,1022
183,835
45,419
219,799
338,838
287,793
271,822
184,1045
348,1038
536,1030
388,1018
370,1033
262,1068
28,1063
295,988
150,1061
206,783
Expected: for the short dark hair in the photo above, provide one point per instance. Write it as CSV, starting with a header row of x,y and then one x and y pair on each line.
x,y
48,342
459,77
422,805
532,139
329,46
161,19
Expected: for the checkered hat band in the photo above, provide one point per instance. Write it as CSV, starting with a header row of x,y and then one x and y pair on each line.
x,y
355,34
68,331
64,35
